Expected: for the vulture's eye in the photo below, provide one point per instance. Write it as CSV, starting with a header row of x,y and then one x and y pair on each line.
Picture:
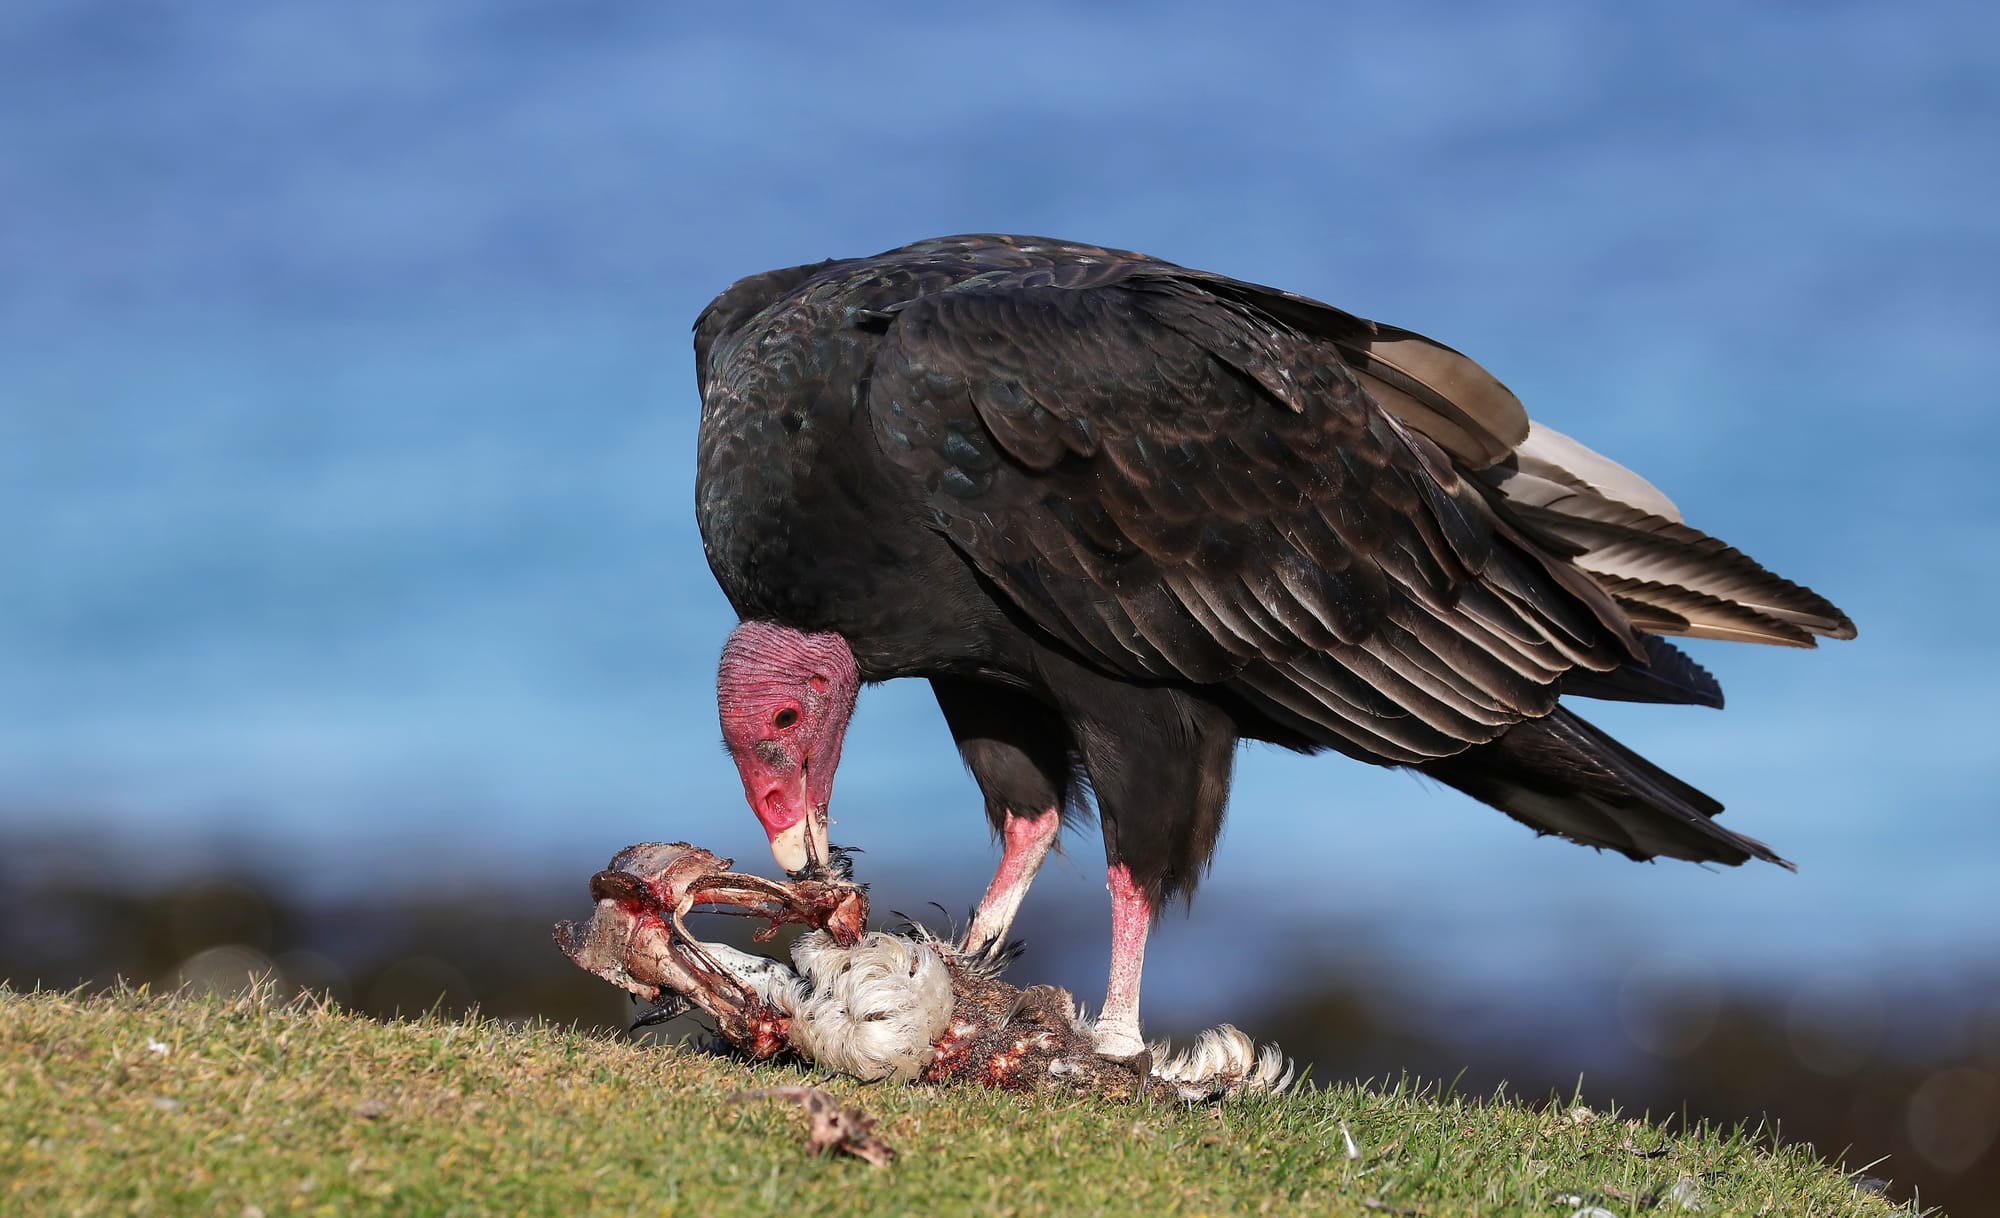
x,y
785,718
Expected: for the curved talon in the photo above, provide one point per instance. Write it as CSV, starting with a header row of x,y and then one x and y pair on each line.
x,y
985,954
1140,1064
991,955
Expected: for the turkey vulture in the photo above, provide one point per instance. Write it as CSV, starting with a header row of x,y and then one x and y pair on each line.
x,y
1123,514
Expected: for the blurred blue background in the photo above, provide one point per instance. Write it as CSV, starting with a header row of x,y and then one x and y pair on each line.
x,y
347,415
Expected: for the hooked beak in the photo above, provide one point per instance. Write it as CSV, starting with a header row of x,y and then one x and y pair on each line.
x,y
801,847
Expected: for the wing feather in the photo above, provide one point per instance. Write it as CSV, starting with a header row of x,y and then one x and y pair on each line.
x,y
1184,477
1672,578
1420,381
1243,514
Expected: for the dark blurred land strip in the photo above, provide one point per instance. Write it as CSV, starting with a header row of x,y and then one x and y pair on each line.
x,y
1918,1083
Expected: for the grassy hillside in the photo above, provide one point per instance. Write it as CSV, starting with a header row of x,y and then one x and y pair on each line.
x,y
132,1103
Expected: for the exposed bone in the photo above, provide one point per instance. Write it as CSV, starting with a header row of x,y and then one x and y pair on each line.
x,y
638,941
872,1005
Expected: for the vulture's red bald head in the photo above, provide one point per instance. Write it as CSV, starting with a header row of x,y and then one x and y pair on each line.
x,y
785,698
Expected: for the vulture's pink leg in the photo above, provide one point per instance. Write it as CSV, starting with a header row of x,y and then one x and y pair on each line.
x,y
1025,842
1131,918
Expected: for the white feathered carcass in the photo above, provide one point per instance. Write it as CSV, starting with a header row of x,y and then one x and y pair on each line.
x,y
872,1004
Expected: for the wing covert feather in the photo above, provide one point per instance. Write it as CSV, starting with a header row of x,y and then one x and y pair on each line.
x,y
1178,485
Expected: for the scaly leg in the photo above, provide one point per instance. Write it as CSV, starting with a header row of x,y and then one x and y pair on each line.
x,y
1025,843
1131,918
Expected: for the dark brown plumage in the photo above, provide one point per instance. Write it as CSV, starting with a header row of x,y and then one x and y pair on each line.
x,y
1124,513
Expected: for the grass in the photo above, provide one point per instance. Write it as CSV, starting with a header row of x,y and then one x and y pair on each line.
x,y
135,1103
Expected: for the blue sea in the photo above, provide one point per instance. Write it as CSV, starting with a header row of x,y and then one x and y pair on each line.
x,y
347,417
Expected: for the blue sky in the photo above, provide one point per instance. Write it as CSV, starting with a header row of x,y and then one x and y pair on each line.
x,y
347,408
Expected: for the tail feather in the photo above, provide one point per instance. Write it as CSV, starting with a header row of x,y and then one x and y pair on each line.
x,y
1561,775
1669,675
1671,579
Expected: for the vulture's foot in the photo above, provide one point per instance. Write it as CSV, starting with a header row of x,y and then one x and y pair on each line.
x,y
1140,1064
867,1003
973,946
1117,1040
992,955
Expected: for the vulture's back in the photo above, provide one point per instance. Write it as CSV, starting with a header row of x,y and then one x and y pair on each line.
x,y
1183,477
